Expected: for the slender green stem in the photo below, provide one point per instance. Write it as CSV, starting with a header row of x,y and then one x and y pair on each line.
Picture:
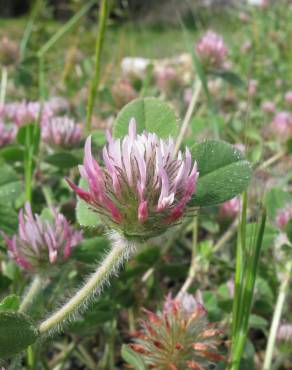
x,y
189,113
29,28
277,317
192,270
98,49
117,255
4,79
67,26
31,294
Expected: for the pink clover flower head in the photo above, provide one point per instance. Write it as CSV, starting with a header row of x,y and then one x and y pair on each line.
x,y
282,125
230,208
22,113
212,50
61,132
179,337
41,243
7,134
284,215
288,97
143,188
268,107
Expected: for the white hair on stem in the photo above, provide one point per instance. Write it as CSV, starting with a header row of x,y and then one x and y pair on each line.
x,y
121,250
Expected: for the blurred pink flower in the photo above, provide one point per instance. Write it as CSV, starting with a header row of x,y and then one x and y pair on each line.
x,y
284,215
288,97
22,113
40,243
179,337
61,131
167,79
212,50
244,17
144,186
252,87
268,107
7,134
188,93
241,147
246,46
123,92
284,333
230,208
9,52
282,125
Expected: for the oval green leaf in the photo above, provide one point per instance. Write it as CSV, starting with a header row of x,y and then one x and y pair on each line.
x,y
223,173
17,332
151,114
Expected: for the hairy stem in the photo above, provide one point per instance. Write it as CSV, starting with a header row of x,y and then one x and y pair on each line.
x,y
31,294
120,251
277,317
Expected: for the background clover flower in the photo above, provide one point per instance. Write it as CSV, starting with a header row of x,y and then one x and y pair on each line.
x,y
61,131
7,134
212,50
230,208
143,188
284,215
282,125
40,243
179,337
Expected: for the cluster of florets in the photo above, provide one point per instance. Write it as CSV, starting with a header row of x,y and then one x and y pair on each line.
x,y
61,131
211,50
179,337
41,243
22,113
143,188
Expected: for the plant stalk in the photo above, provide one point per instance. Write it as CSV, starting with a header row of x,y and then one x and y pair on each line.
x,y
4,79
277,317
189,113
31,294
98,49
120,251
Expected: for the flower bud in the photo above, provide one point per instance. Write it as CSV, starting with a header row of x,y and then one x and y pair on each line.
x,y
179,337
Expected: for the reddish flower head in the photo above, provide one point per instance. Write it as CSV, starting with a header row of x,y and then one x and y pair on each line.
x,y
179,337
39,242
212,50
143,188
